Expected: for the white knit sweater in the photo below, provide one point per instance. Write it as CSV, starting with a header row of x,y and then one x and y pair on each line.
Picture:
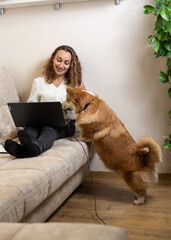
x,y
44,92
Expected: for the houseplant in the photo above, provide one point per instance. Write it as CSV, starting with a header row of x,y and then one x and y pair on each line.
x,y
160,41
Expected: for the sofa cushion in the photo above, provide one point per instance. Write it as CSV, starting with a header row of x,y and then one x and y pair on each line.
x,y
25,183
62,231
8,93
7,127
53,202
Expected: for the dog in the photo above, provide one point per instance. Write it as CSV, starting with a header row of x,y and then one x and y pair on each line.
x,y
135,162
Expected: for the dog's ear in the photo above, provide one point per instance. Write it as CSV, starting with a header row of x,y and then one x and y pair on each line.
x,y
73,94
80,95
69,90
82,86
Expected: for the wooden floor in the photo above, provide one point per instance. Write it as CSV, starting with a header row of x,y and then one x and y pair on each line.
x,y
150,221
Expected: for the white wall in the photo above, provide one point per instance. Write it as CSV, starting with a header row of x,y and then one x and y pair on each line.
x,y
111,41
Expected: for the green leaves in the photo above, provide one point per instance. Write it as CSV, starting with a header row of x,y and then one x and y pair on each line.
x,y
167,45
167,144
168,64
163,77
169,114
167,26
169,92
148,9
155,44
161,40
163,9
161,43
164,12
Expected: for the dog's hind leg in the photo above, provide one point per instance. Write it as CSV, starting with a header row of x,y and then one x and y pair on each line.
x,y
139,200
138,185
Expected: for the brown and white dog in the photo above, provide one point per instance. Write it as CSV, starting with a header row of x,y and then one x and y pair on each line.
x,y
135,162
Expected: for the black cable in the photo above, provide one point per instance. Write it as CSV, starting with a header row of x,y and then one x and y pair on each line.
x,y
92,183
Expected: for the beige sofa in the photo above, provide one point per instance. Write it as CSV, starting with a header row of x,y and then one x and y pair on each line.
x,y
31,189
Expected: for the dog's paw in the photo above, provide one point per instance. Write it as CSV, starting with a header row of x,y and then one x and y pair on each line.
x,y
139,201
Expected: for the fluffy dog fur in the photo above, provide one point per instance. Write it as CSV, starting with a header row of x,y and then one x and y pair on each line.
x,y
135,162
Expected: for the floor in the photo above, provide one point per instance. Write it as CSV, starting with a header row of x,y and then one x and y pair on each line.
x,y
150,221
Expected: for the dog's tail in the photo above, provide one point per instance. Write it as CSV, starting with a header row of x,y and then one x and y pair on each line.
x,y
153,152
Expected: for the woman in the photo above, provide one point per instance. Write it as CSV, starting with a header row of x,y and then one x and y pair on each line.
x,y
61,70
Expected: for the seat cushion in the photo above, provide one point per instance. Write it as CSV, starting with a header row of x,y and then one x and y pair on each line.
x,y
25,183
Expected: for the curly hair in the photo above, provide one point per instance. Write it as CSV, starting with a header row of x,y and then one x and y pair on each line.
x,y
73,76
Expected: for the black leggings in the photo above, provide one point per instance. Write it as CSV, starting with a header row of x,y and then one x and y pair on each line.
x,y
44,137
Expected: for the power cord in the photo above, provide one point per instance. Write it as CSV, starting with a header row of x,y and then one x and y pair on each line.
x,y
92,183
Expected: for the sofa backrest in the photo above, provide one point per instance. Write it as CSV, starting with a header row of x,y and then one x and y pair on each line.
x,y
8,93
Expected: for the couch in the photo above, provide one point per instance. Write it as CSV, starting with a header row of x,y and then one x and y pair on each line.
x,y
31,189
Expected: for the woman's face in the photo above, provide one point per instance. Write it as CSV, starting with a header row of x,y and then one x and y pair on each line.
x,y
61,62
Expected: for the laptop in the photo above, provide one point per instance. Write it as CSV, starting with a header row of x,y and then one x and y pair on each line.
x,y
37,114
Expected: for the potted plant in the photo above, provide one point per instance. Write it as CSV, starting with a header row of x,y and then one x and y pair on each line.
x,y
160,41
